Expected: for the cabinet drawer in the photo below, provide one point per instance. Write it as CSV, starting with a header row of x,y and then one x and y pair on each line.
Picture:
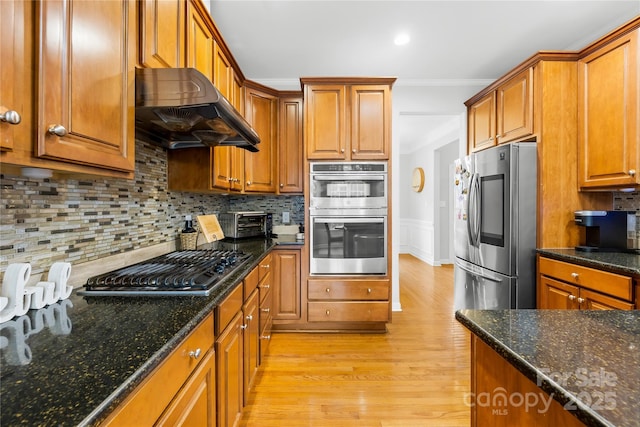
x,y
369,290
265,310
265,286
598,280
264,267
228,309
251,282
348,311
149,400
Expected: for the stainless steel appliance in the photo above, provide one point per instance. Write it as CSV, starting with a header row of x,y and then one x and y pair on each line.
x,y
180,108
608,231
495,228
348,218
239,225
176,273
347,187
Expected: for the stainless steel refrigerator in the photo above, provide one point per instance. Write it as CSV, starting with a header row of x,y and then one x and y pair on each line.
x,y
495,228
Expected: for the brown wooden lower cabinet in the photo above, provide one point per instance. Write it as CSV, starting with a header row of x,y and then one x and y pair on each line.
x,y
492,375
230,367
563,285
181,388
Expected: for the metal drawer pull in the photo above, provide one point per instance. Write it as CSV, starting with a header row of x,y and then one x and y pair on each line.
x,y
195,353
11,117
58,130
328,312
328,290
265,337
265,266
265,310
571,297
244,326
249,317
581,300
632,172
575,275
265,286
368,290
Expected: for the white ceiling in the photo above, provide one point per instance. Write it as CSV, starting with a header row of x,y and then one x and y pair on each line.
x,y
456,49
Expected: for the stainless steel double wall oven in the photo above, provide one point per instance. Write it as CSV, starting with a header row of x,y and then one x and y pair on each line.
x,y
348,209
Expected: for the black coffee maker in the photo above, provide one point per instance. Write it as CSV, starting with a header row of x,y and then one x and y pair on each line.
x,y
607,231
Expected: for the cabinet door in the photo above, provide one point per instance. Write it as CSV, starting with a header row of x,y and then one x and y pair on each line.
x,y
515,108
230,381
370,122
221,162
482,123
286,285
290,147
325,122
200,41
86,83
162,33
590,300
251,340
608,139
553,294
260,167
195,404
16,95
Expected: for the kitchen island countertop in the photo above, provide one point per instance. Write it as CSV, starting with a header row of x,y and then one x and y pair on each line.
x,y
73,362
577,356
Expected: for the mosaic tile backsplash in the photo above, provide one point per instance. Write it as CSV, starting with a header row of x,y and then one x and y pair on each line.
x,y
77,220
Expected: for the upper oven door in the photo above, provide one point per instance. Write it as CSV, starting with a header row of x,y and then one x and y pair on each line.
x,y
348,191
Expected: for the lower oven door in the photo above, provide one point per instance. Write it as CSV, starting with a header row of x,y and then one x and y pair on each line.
x,y
348,245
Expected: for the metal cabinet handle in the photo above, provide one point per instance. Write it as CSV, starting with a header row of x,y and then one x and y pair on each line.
x,y
58,130
354,151
632,172
249,317
265,286
265,337
581,300
265,310
368,290
244,326
571,297
575,275
281,185
265,265
12,117
195,353
328,290
342,150
328,312
248,182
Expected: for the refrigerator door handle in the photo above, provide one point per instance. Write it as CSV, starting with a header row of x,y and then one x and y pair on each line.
x,y
473,211
479,272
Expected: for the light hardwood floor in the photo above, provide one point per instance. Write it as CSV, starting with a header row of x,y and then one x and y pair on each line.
x,y
414,375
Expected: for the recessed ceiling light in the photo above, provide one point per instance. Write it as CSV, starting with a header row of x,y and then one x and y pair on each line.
x,y
402,39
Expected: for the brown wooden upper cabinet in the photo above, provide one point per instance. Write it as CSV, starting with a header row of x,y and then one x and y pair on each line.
x,y
86,94
290,146
162,33
502,115
608,114
347,119
261,111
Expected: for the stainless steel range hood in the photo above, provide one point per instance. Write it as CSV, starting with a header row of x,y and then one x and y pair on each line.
x,y
181,108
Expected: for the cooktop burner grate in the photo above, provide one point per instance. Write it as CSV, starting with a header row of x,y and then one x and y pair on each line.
x,y
177,273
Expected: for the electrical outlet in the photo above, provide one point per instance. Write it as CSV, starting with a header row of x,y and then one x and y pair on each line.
x,y
285,218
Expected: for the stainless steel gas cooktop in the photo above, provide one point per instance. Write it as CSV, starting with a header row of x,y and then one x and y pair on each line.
x,y
193,272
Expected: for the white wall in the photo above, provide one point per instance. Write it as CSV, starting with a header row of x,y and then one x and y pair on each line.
x,y
425,222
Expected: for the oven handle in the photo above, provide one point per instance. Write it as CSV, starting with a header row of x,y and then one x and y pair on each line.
x,y
351,220
348,177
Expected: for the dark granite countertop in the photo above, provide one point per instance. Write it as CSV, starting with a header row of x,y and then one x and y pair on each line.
x,y
558,349
616,262
73,362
